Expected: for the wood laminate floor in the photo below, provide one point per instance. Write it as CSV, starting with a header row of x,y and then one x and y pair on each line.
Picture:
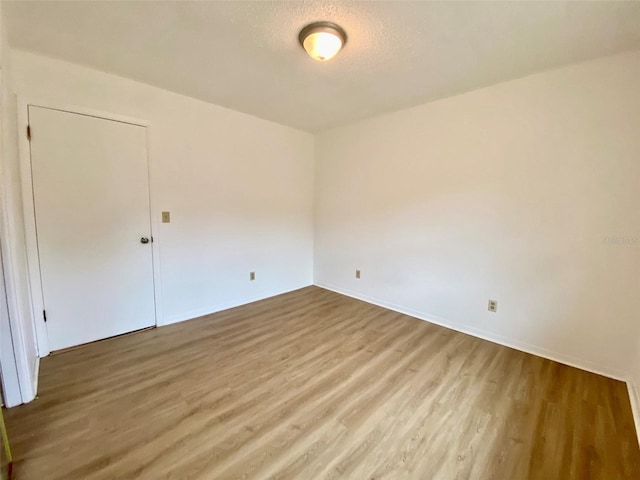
x,y
315,385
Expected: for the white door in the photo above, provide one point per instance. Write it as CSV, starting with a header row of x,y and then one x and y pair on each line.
x,y
91,197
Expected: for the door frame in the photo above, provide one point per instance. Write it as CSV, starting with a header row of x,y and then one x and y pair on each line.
x,y
28,207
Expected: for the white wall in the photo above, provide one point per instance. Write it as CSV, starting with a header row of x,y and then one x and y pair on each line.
x,y
503,193
239,189
19,365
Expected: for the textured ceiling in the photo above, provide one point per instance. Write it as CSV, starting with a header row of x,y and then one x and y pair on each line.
x,y
245,55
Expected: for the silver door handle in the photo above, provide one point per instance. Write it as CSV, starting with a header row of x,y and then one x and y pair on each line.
x,y
144,240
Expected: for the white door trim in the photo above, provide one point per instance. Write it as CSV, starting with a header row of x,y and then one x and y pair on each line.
x,y
10,381
23,385
24,152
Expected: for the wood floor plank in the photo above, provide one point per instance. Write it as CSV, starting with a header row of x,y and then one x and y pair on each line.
x,y
315,385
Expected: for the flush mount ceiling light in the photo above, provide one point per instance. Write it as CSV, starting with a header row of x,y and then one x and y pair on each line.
x,y
322,40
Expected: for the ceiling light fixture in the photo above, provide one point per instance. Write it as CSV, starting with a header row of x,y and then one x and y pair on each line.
x,y
322,40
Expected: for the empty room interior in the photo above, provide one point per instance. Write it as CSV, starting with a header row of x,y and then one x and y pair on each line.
x,y
320,240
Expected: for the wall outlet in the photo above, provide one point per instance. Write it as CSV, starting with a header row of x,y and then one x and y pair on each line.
x,y
493,305
252,276
357,273
166,217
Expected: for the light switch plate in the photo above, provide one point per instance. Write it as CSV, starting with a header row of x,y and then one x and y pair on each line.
x,y
166,217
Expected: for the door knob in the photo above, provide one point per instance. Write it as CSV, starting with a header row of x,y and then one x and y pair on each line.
x,y
144,240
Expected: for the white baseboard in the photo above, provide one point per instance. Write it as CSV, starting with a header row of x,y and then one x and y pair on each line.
x,y
30,392
634,396
36,375
570,360
201,312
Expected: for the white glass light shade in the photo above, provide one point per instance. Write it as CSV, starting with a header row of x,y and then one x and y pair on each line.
x,y
322,40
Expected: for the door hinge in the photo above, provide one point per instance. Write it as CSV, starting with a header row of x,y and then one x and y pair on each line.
x,y
44,314
29,132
